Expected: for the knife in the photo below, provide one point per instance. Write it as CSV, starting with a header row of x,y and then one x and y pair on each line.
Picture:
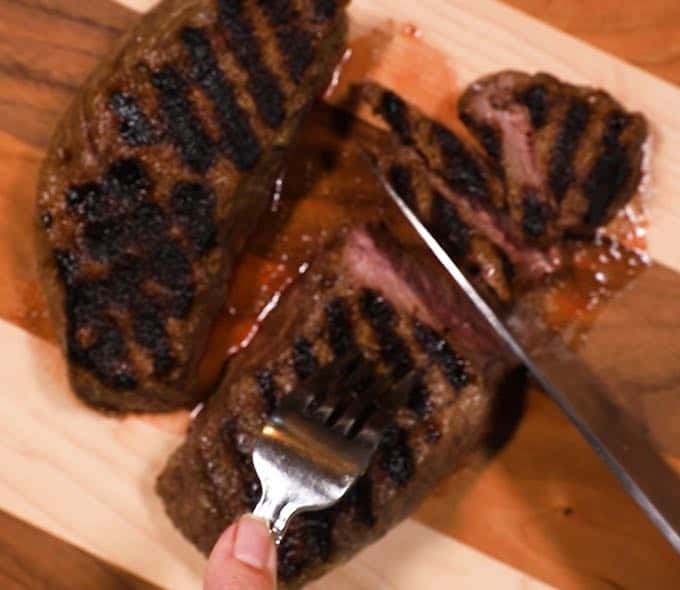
x,y
581,395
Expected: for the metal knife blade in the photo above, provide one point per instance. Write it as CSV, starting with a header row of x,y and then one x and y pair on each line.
x,y
572,385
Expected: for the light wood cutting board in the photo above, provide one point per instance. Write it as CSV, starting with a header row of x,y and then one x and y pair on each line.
x,y
544,506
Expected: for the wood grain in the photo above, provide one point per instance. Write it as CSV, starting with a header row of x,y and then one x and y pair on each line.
x,y
645,33
544,505
32,559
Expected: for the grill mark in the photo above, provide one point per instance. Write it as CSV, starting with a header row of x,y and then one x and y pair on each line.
x,y
134,126
304,361
185,130
67,266
460,169
535,214
170,268
396,457
382,318
395,112
490,140
339,328
148,224
94,341
278,12
262,84
488,136
107,240
295,44
439,351
448,227
325,9
360,500
419,399
117,219
194,207
150,333
561,171
127,180
83,197
309,541
107,208
401,179
297,48
125,278
267,387
238,141
610,172
230,436
536,100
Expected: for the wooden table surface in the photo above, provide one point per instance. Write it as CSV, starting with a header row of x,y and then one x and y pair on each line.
x,y
643,32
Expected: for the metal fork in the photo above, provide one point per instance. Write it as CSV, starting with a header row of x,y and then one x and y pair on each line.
x,y
321,439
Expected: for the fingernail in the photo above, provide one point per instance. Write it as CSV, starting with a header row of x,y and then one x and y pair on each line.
x,y
253,543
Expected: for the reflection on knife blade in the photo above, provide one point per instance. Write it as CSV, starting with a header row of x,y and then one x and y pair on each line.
x,y
582,397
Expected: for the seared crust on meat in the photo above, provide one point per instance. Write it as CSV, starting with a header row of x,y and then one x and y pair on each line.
x,y
451,222
558,161
366,294
455,179
571,155
156,176
465,168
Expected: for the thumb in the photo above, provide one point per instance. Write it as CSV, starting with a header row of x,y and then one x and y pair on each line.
x,y
244,558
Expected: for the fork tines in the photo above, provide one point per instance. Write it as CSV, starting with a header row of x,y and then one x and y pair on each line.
x,y
350,394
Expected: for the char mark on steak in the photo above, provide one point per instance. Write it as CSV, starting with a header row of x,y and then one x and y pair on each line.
x,y
560,161
238,140
364,293
156,177
135,127
263,85
464,169
571,155
472,240
184,128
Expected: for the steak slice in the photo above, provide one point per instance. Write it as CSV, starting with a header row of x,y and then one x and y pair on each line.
x,y
451,223
364,293
156,176
571,155
461,182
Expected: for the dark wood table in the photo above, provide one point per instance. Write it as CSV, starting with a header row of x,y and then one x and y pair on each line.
x,y
644,32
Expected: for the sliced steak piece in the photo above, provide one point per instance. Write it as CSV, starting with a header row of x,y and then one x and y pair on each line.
x,y
572,155
460,179
364,293
156,176
450,222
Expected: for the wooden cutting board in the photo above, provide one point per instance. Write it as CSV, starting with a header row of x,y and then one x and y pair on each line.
x,y
544,508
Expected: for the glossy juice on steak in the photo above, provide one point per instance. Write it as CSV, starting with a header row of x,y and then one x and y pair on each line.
x,y
328,184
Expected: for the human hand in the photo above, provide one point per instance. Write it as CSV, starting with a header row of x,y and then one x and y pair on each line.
x,y
244,558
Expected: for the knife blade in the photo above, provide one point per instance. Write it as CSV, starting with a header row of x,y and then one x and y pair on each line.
x,y
581,395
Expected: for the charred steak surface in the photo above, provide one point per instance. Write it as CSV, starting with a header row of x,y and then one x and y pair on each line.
x,y
363,294
571,156
156,176
553,161
398,308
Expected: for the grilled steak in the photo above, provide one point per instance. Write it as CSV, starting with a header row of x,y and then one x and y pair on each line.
x,y
571,156
459,182
363,293
450,222
557,161
157,175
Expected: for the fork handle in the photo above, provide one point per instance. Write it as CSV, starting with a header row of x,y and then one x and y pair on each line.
x,y
277,512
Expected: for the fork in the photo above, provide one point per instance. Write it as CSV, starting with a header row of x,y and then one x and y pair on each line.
x,y
322,438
